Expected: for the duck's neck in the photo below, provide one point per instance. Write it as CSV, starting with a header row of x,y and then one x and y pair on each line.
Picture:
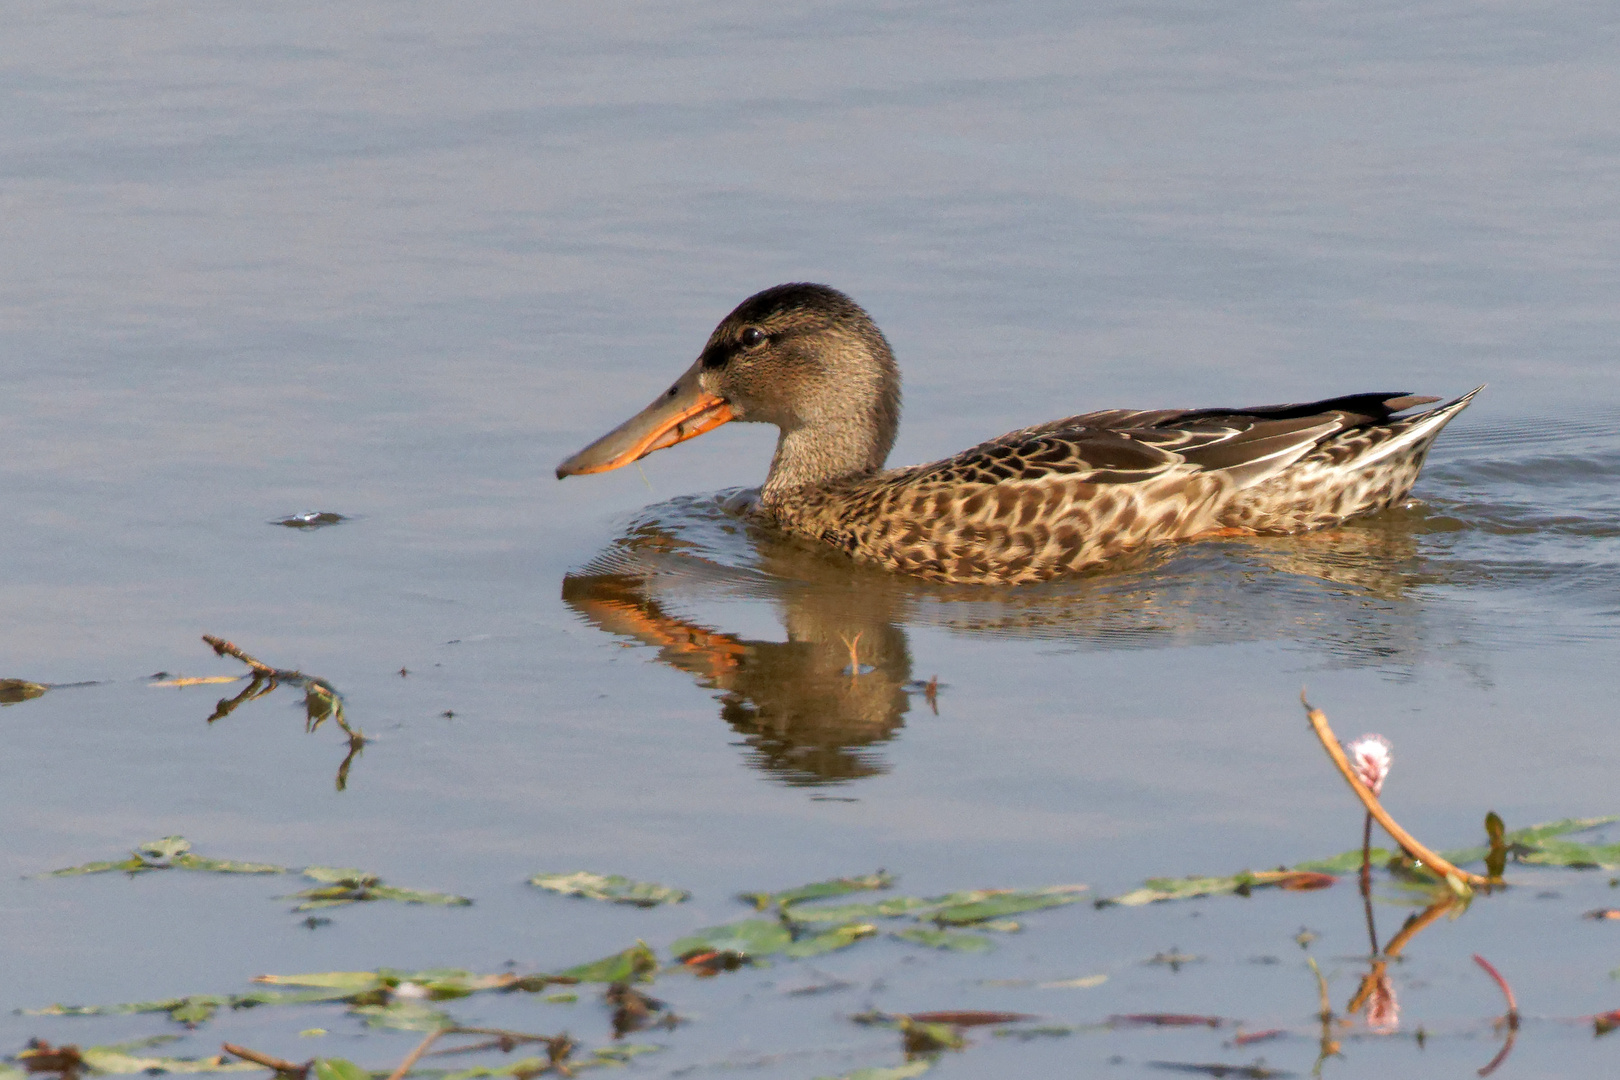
x,y
849,434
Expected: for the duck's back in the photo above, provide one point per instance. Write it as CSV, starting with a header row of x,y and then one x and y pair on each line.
x,y
1058,497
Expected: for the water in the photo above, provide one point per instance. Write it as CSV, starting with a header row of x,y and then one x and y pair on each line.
x,y
396,263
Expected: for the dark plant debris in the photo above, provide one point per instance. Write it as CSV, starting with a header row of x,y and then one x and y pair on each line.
x,y
318,519
13,691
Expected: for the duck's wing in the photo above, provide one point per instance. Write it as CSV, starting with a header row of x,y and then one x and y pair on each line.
x,y
1121,446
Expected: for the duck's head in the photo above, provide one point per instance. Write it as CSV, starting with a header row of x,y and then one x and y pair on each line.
x,y
803,357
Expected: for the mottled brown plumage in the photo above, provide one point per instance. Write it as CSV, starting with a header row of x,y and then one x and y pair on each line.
x,y
1032,504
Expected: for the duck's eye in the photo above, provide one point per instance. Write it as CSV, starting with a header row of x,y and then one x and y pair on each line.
x,y
753,337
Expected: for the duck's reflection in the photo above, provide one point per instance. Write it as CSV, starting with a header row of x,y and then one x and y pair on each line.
x,y
805,713
807,717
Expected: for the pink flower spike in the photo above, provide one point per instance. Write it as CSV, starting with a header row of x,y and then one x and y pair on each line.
x,y
1371,757
1383,1010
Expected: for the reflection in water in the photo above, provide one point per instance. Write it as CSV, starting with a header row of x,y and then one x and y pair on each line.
x,y
806,715
808,718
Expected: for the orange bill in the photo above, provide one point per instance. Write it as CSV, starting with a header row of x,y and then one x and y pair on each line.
x,y
682,412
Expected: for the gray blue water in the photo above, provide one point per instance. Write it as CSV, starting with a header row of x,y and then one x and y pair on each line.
x,y
396,261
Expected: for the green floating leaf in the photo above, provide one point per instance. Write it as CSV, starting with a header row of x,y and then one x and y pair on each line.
x,y
1006,903
610,887
132,865
897,1072
527,1067
346,885
956,941
103,1059
830,940
190,1011
891,908
166,848
635,964
1570,854
1155,890
168,853
348,981
226,866
339,875
1345,862
13,691
750,938
820,890
1526,841
338,1069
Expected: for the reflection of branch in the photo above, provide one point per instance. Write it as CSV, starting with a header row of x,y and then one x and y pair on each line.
x,y
1329,1046
1459,879
321,699
257,688
1418,921
1511,1019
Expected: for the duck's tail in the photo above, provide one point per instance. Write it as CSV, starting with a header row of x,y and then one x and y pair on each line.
x,y
1411,435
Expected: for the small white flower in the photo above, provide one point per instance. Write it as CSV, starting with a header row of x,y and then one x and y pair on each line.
x,y
1371,757
410,991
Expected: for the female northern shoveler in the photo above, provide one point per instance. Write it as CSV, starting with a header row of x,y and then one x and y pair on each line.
x,y
1032,504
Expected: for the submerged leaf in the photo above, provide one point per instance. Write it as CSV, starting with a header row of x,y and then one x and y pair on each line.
x,y
610,887
407,1015
820,890
635,964
946,939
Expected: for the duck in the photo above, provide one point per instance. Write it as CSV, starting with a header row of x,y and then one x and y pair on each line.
x,y
1031,505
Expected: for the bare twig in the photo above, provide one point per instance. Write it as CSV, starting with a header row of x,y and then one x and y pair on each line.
x,y
282,1066
225,648
1459,879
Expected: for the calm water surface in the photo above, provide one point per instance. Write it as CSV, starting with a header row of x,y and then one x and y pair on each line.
x,y
396,262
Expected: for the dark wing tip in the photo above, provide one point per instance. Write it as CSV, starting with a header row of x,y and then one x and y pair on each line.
x,y
1403,402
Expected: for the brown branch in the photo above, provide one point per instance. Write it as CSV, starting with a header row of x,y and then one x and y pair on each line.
x,y
1408,843
415,1055
225,648
282,1066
